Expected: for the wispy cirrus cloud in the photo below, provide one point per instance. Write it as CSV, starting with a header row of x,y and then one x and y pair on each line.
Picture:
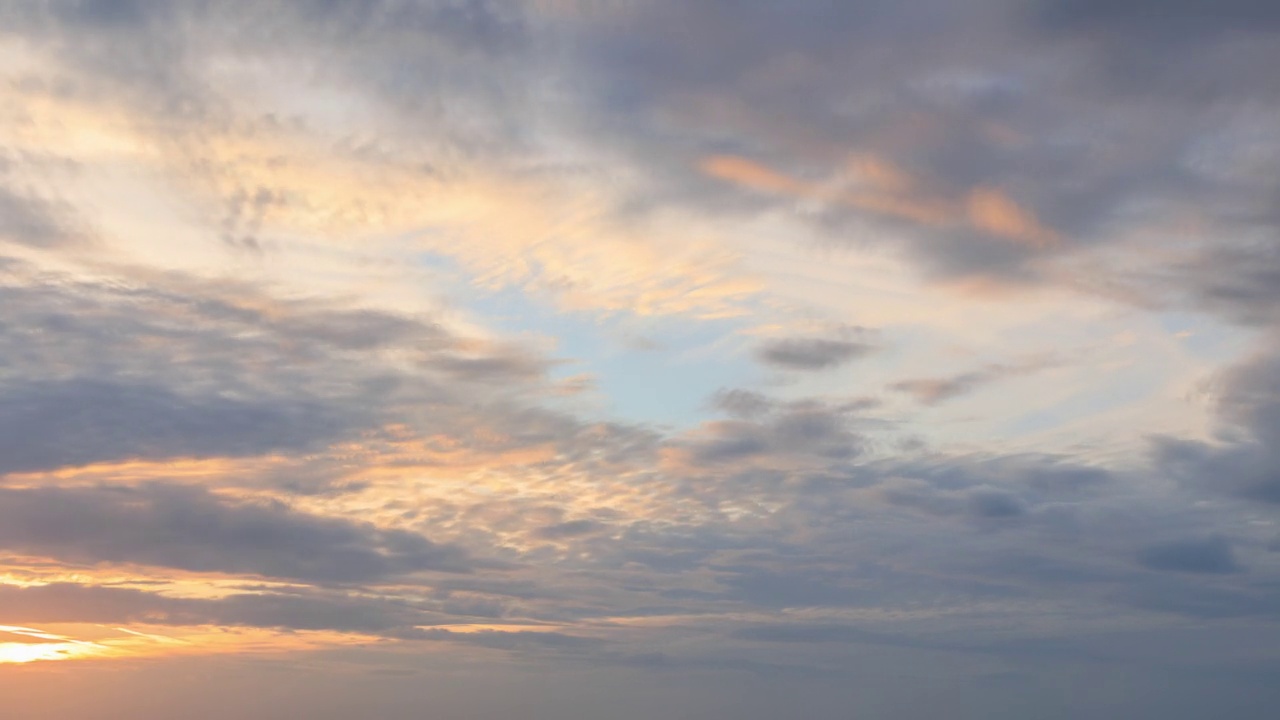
x,y
931,391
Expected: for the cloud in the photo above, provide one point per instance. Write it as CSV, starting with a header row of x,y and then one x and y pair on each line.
x,y
1238,282
31,221
1018,142
1211,556
100,372
992,211
44,426
971,161
1175,20
932,391
987,210
508,640
281,180
995,504
983,503
181,427
297,610
744,172
1245,463
796,431
810,353
569,529
192,529
1204,602
1245,469
1023,650
745,404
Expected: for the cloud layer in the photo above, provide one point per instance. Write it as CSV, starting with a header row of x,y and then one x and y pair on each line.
x,y
625,350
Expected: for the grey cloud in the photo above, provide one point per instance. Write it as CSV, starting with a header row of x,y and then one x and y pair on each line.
x,y
570,529
839,511
507,365
1055,478
1240,282
814,634
660,661
343,330
1250,396
473,606
995,504
847,580
932,391
830,501
745,404
733,442
68,602
793,429
515,640
935,390
308,611
810,353
100,372
1246,462
1023,649
105,13
1037,475
848,535
1204,601
982,503
795,122
1184,19
31,221
296,610
1208,555
1245,468
793,588
1047,571
192,529
1006,97
664,560
76,422
56,327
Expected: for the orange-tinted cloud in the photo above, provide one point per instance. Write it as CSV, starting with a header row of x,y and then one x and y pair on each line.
x,y
744,172
888,191
993,211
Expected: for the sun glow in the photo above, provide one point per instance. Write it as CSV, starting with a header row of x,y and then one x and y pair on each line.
x,y
38,645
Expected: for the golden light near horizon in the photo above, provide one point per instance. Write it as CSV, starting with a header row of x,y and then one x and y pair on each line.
x,y
38,645
84,642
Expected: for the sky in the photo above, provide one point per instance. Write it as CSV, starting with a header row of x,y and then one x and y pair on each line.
x,y
577,359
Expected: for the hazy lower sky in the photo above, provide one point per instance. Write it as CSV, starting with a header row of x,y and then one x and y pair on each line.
x,y
626,359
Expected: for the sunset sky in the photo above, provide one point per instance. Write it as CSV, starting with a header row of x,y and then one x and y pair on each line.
x,y
631,359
